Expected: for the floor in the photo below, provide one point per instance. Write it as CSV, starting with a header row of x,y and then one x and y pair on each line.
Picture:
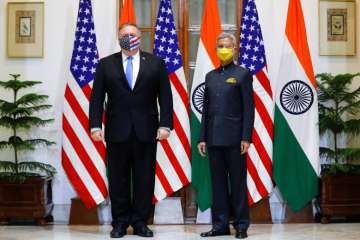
x,y
186,232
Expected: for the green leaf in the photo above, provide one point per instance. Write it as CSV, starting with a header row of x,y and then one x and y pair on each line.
x,y
327,153
33,167
7,166
336,102
3,101
20,144
351,109
350,153
344,154
335,88
5,144
352,127
23,122
324,109
330,122
11,110
31,143
31,99
351,97
16,84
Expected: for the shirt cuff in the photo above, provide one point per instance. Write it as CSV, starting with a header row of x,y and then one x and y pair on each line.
x,y
166,128
95,130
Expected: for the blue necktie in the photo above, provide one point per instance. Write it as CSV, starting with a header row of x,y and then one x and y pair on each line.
x,y
129,71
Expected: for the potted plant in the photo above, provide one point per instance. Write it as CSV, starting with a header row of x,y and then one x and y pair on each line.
x,y
339,110
25,186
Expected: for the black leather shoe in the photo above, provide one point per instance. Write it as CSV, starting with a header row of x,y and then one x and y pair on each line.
x,y
216,232
241,234
142,230
118,232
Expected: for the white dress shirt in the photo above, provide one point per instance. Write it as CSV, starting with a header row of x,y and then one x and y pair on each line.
x,y
136,65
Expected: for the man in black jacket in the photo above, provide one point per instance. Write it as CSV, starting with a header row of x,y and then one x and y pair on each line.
x,y
226,129
134,82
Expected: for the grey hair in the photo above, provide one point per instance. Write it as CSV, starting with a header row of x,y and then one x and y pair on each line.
x,y
225,35
130,25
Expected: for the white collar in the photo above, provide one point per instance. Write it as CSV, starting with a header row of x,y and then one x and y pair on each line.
x,y
135,57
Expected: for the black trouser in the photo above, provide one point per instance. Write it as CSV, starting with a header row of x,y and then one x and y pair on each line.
x,y
228,162
131,160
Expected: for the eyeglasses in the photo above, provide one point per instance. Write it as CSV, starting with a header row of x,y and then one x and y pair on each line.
x,y
223,46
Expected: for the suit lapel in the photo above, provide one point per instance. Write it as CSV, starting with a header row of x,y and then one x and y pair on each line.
x,y
120,67
141,70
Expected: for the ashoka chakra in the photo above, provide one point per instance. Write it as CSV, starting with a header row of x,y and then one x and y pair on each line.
x,y
198,97
296,97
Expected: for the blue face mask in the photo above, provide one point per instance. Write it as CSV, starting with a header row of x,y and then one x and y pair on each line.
x,y
129,42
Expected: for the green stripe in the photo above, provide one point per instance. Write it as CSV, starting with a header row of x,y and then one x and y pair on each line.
x,y
293,173
201,179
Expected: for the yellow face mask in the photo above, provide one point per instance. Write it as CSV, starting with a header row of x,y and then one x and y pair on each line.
x,y
225,54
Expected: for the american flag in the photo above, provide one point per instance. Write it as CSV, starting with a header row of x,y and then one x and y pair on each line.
x,y
83,159
173,166
130,43
252,57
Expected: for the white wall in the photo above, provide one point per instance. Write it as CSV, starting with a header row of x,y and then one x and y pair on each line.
x,y
60,18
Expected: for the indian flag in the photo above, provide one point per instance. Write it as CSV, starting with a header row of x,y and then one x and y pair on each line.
x,y
206,61
296,135
127,13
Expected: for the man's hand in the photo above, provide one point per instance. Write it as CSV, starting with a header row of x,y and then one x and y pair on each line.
x,y
97,135
202,148
162,134
244,146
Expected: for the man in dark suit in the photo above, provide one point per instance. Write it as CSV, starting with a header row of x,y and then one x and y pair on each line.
x,y
134,82
226,129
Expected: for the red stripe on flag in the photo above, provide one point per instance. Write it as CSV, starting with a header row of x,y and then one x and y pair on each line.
x,y
255,176
75,179
264,115
250,199
83,119
134,39
181,90
264,156
87,91
84,157
264,81
181,134
174,162
154,200
163,180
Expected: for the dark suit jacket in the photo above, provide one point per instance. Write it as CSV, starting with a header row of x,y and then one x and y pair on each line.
x,y
228,107
126,108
